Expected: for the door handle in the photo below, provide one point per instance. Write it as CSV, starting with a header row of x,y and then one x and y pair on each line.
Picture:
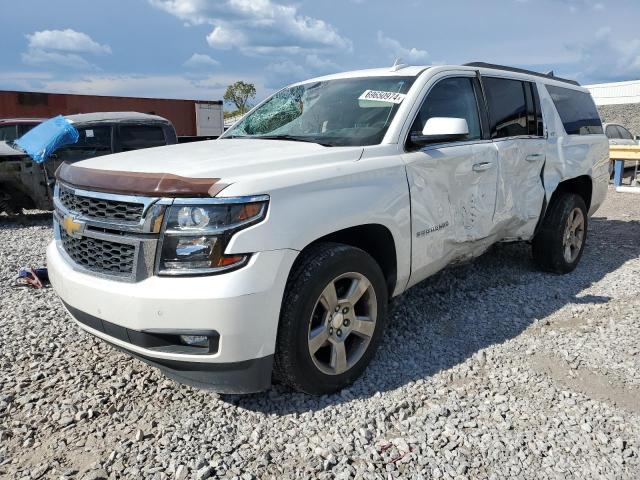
x,y
481,167
534,157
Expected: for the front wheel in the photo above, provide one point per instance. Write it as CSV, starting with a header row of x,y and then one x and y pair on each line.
x,y
559,244
333,315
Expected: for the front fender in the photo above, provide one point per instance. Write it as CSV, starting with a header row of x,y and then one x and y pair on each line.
x,y
368,191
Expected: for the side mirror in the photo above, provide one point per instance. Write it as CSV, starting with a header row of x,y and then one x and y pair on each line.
x,y
441,129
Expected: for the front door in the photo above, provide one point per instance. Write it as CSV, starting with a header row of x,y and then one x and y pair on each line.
x,y
452,185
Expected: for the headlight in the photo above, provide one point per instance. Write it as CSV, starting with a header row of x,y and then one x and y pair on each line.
x,y
195,236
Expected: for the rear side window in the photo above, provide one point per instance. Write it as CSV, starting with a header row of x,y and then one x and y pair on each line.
x,y
577,111
507,107
92,142
134,137
8,133
624,133
24,128
612,131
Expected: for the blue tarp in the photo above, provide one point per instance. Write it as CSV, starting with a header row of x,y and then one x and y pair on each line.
x,y
44,139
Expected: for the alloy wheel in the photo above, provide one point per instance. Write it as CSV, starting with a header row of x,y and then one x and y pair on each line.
x,y
573,235
342,323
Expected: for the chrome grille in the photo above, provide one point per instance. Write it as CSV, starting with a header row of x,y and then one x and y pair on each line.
x,y
100,208
100,256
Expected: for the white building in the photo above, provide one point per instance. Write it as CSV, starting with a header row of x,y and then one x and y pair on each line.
x,y
618,102
616,93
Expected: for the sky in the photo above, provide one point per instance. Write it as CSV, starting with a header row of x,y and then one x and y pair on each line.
x,y
195,48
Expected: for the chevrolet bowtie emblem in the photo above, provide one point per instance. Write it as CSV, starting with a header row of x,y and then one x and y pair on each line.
x,y
71,226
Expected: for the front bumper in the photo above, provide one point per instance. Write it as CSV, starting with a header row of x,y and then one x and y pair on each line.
x,y
242,308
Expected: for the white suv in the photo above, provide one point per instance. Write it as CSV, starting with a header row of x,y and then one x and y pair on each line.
x,y
272,252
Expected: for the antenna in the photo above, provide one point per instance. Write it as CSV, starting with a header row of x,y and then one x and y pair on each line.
x,y
397,65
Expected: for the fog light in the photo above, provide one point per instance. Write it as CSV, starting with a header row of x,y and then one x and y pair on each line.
x,y
195,340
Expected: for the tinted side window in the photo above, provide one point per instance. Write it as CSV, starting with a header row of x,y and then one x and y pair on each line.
x,y
8,133
507,107
92,142
22,129
134,137
624,133
451,97
577,111
612,131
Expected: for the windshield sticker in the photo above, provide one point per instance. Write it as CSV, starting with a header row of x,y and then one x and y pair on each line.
x,y
379,96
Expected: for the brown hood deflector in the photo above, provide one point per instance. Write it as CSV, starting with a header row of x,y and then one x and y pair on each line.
x,y
138,183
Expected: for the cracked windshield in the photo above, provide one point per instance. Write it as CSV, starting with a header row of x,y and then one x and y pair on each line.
x,y
345,112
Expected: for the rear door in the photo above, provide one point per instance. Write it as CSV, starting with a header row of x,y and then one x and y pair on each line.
x,y
517,131
452,184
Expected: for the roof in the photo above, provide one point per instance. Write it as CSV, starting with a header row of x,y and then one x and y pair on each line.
x,y
415,70
549,76
114,117
14,121
400,71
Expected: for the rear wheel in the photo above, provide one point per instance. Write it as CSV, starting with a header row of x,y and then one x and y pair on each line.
x,y
559,244
333,314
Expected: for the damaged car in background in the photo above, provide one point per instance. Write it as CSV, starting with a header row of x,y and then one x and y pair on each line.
x,y
272,252
25,184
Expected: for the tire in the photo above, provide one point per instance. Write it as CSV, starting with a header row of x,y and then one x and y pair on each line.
x,y
7,206
310,322
554,248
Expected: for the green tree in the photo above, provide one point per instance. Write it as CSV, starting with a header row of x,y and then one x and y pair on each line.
x,y
239,94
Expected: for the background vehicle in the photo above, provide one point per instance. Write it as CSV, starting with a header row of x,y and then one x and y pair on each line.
x,y
25,184
619,135
192,119
274,249
12,128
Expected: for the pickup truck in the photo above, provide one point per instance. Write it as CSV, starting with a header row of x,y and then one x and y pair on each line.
x,y
272,252
25,184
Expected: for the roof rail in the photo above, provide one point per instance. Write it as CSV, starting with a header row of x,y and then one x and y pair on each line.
x,y
549,75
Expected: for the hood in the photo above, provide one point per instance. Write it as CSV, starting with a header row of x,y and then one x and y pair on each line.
x,y
229,160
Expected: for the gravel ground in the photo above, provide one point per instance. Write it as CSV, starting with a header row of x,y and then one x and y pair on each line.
x,y
488,370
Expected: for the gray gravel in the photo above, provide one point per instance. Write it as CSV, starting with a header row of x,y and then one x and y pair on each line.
x,y
488,370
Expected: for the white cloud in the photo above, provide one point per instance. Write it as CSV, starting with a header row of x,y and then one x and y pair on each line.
x,y
65,40
208,87
608,57
38,57
198,60
225,37
62,48
315,62
396,50
257,26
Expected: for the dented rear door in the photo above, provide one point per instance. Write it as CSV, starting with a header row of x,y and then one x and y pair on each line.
x,y
517,131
